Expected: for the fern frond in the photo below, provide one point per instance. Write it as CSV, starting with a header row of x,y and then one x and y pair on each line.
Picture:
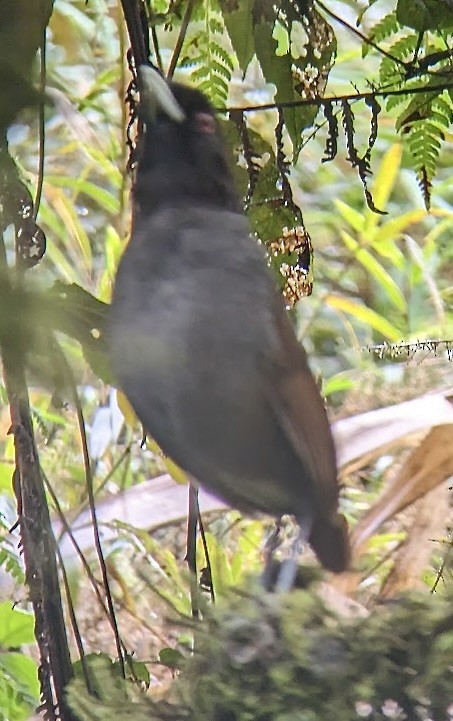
x,y
394,100
434,106
204,51
224,56
424,139
390,72
215,25
385,28
9,559
201,72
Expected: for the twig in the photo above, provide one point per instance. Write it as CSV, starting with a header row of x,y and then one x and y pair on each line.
x,y
41,130
363,38
181,37
206,555
409,349
85,565
89,483
37,540
319,102
191,556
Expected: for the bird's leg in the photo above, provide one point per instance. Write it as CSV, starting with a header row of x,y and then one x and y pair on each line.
x,y
288,569
271,545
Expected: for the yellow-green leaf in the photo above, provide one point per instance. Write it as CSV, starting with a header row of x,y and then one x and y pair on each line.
x,y
364,315
126,409
352,216
394,227
383,184
376,270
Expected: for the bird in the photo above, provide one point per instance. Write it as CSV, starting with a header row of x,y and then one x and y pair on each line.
x,y
199,337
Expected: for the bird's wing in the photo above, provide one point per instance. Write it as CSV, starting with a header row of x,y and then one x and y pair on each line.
x,y
299,408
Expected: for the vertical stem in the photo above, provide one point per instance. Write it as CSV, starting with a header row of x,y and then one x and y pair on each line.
x,y
191,556
181,37
37,541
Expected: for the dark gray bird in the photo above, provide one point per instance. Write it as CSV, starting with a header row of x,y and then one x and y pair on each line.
x,y
199,337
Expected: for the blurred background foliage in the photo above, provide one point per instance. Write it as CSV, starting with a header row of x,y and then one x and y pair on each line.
x,y
377,279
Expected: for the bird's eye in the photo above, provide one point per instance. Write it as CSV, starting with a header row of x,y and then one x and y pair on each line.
x,y
204,123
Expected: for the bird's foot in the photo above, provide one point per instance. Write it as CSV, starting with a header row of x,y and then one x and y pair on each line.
x,y
280,577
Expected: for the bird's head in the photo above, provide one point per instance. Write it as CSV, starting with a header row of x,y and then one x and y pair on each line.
x,y
183,155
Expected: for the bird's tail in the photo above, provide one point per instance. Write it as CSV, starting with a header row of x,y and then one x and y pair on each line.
x,y
329,540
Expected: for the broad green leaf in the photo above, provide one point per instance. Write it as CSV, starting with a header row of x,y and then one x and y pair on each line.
x,y
136,670
171,657
126,409
247,558
16,626
277,70
178,475
78,314
23,670
91,659
423,15
364,315
280,70
239,24
219,562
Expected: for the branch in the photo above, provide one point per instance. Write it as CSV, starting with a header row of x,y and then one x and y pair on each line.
x,y
37,539
181,37
320,102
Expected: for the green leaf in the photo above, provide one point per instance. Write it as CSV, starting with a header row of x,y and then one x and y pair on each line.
x,y
90,660
64,207
106,200
6,474
16,626
352,216
137,670
239,24
23,670
75,312
337,383
365,315
76,16
391,230
384,28
376,270
425,15
102,163
278,70
268,225
171,658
